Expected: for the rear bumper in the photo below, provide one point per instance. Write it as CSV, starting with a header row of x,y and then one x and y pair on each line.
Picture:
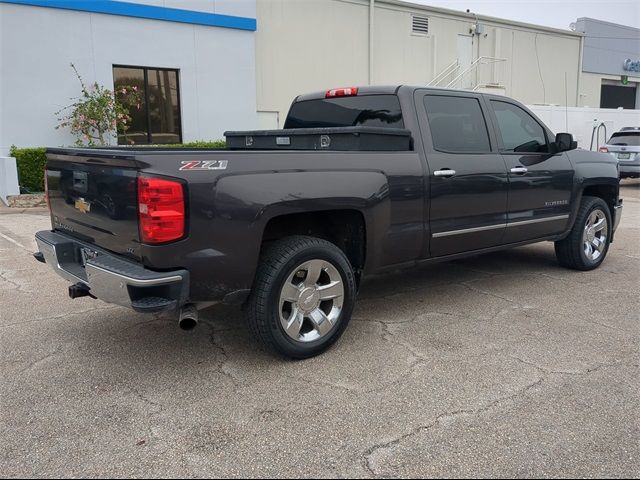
x,y
629,170
110,277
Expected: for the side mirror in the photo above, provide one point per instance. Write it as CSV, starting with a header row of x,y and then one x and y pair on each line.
x,y
564,142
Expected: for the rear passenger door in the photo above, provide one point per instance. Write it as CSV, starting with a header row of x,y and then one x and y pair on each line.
x,y
468,182
540,180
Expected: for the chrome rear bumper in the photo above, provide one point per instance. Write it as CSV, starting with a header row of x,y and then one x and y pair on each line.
x,y
110,277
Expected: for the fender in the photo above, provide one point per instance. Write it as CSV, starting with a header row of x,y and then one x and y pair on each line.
x,y
251,200
592,169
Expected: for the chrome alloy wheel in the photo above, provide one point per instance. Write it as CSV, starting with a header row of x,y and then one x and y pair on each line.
x,y
311,300
594,238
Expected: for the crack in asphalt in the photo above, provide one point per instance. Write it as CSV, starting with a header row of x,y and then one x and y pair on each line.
x,y
419,358
40,360
18,287
61,315
606,325
612,365
490,294
222,364
367,461
366,457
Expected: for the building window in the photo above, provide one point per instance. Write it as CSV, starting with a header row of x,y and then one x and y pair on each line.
x,y
157,117
618,96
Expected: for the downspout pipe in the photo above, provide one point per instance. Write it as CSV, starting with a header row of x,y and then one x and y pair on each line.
x,y
579,70
372,6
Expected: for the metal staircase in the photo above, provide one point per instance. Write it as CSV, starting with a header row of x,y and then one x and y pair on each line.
x,y
441,79
484,74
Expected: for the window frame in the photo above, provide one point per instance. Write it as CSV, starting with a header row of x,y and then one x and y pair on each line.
x,y
145,69
477,98
496,126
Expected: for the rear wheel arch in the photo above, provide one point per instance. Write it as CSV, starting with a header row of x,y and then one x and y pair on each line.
x,y
345,228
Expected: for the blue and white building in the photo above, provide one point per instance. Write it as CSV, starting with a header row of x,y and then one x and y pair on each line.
x,y
193,61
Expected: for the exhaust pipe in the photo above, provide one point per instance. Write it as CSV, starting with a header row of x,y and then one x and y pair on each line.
x,y
188,319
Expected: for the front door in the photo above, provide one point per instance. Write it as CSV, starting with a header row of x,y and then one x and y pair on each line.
x,y
540,181
468,182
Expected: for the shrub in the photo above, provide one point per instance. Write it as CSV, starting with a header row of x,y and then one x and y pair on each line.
x,y
98,112
30,163
197,144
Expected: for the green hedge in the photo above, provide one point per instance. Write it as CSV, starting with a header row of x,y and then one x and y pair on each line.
x,y
31,162
198,144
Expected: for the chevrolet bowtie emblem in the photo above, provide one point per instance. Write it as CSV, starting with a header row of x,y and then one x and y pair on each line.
x,y
82,205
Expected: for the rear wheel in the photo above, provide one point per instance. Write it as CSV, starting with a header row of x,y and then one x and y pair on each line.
x,y
588,243
303,296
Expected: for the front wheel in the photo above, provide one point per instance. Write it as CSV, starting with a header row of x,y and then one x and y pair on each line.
x,y
586,247
303,296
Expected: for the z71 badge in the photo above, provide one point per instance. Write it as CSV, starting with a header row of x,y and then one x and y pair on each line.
x,y
204,164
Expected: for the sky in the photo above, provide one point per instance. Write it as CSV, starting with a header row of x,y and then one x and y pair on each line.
x,y
550,13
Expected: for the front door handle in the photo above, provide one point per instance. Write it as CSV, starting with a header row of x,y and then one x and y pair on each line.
x,y
519,170
445,172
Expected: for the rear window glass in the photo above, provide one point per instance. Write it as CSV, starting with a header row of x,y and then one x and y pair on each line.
x,y
368,110
625,138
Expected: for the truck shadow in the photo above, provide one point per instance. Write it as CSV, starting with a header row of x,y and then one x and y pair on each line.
x,y
223,335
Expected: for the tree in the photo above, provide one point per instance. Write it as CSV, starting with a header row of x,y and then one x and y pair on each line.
x,y
96,115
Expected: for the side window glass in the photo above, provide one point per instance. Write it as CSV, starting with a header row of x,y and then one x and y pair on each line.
x,y
457,124
519,131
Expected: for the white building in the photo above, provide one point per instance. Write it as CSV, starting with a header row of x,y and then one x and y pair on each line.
x,y
193,59
205,66
610,65
316,44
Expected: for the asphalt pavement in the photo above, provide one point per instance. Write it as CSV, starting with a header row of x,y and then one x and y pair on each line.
x,y
503,365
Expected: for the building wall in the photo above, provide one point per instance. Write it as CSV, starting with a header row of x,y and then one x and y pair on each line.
x,y
318,44
606,47
307,46
37,45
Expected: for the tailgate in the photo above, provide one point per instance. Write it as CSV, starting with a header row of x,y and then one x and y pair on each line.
x,y
95,200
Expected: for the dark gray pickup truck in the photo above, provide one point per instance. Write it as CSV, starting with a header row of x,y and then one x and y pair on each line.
x,y
287,222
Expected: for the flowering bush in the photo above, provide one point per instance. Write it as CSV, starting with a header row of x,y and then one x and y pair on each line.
x,y
97,114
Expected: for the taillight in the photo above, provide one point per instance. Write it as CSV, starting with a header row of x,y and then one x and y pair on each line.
x,y
342,92
603,149
160,210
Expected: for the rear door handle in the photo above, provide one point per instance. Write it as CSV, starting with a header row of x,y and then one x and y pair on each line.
x,y
445,172
519,170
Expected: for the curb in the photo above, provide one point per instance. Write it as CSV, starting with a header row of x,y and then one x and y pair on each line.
x,y
26,210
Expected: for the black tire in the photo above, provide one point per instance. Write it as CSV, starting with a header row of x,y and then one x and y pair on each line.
x,y
277,262
570,251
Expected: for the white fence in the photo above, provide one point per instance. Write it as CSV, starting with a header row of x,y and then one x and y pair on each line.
x,y
580,121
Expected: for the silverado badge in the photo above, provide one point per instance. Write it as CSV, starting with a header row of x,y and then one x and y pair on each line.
x,y
82,205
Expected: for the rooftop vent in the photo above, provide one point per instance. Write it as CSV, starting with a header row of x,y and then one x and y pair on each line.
x,y
420,25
